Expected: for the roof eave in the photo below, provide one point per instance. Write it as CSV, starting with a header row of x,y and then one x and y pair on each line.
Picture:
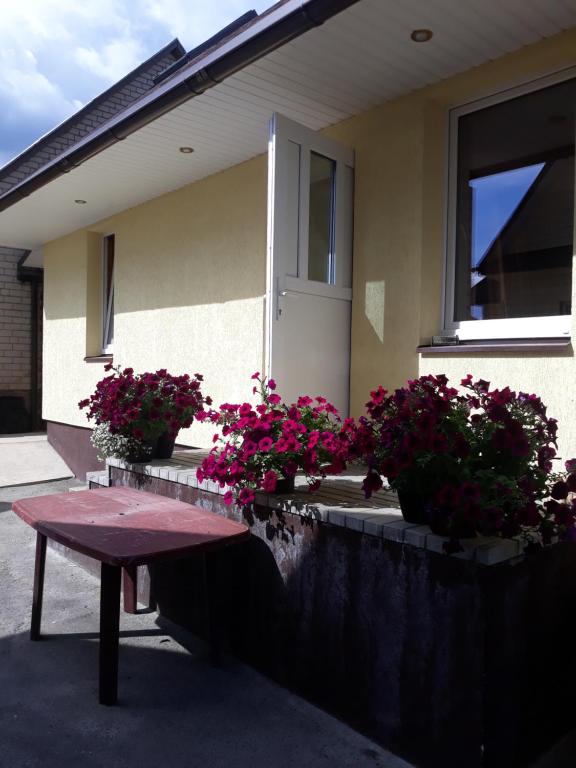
x,y
268,33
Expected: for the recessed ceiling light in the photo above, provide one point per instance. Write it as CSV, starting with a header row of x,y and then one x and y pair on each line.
x,y
421,35
80,202
186,150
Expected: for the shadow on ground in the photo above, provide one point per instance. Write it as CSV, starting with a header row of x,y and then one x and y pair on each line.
x,y
174,708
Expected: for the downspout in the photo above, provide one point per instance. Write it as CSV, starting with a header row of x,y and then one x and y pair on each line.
x,y
34,276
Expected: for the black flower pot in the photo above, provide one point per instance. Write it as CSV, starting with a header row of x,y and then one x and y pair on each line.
x,y
141,455
444,524
285,485
164,446
413,507
161,447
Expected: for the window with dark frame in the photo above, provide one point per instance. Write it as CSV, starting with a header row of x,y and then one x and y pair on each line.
x,y
108,247
514,223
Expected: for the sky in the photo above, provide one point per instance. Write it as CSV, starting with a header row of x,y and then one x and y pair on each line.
x,y
495,198
56,55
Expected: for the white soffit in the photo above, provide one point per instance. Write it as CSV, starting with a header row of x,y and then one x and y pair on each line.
x,y
360,58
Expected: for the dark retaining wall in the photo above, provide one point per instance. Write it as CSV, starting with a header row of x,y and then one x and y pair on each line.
x,y
74,446
448,663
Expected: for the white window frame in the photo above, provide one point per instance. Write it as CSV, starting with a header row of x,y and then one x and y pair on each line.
x,y
508,328
106,304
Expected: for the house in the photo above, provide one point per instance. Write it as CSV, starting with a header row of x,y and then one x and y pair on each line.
x,y
317,193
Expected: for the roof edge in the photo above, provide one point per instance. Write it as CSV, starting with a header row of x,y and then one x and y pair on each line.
x,y
174,47
269,31
219,37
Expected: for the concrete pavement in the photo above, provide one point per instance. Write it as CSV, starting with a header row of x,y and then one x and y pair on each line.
x,y
29,459
175,710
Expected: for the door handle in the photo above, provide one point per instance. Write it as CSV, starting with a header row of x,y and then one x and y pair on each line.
x,y
280,294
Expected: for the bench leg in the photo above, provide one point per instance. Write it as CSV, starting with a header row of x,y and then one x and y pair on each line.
x,y
110,582
38,592
130,588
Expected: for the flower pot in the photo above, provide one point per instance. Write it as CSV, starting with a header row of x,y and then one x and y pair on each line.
x,y
413,507
164,446
161,447
285,485
457,528
141,455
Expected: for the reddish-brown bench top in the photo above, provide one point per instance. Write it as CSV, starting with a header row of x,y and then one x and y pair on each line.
x,y
123,526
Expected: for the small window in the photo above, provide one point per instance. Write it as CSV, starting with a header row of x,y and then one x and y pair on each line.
x,y
510,271
108,294
321,265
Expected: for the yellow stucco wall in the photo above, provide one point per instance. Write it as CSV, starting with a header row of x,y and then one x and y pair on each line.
x,y
400,199
191,265
190,273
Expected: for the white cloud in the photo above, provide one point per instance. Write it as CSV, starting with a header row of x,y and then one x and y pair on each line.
x,y
113,60
56,55
195,22
26,89
36,33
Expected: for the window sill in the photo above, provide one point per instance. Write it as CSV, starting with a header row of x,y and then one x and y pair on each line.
x,y
99,359
500,346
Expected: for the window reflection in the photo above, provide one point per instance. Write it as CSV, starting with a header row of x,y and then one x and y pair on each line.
x,y
515,203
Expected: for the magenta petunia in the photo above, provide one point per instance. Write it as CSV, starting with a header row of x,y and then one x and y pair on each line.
x,y
269,481
250,448
259,444
245,497
265,444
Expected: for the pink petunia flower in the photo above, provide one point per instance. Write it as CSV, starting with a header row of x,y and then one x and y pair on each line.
x,y
245,497
269,481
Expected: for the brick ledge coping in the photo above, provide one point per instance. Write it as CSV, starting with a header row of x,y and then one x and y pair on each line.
x,y
379,521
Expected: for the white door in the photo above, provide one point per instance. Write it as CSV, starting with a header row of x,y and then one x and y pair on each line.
x,y
309,291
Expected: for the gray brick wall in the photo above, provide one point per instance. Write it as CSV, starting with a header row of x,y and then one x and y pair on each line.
x,y
15,318
116,99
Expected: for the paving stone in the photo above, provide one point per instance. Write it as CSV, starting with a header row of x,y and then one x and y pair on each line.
x,y
496,551
355,518
337,517
395,530
417,536
374,525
